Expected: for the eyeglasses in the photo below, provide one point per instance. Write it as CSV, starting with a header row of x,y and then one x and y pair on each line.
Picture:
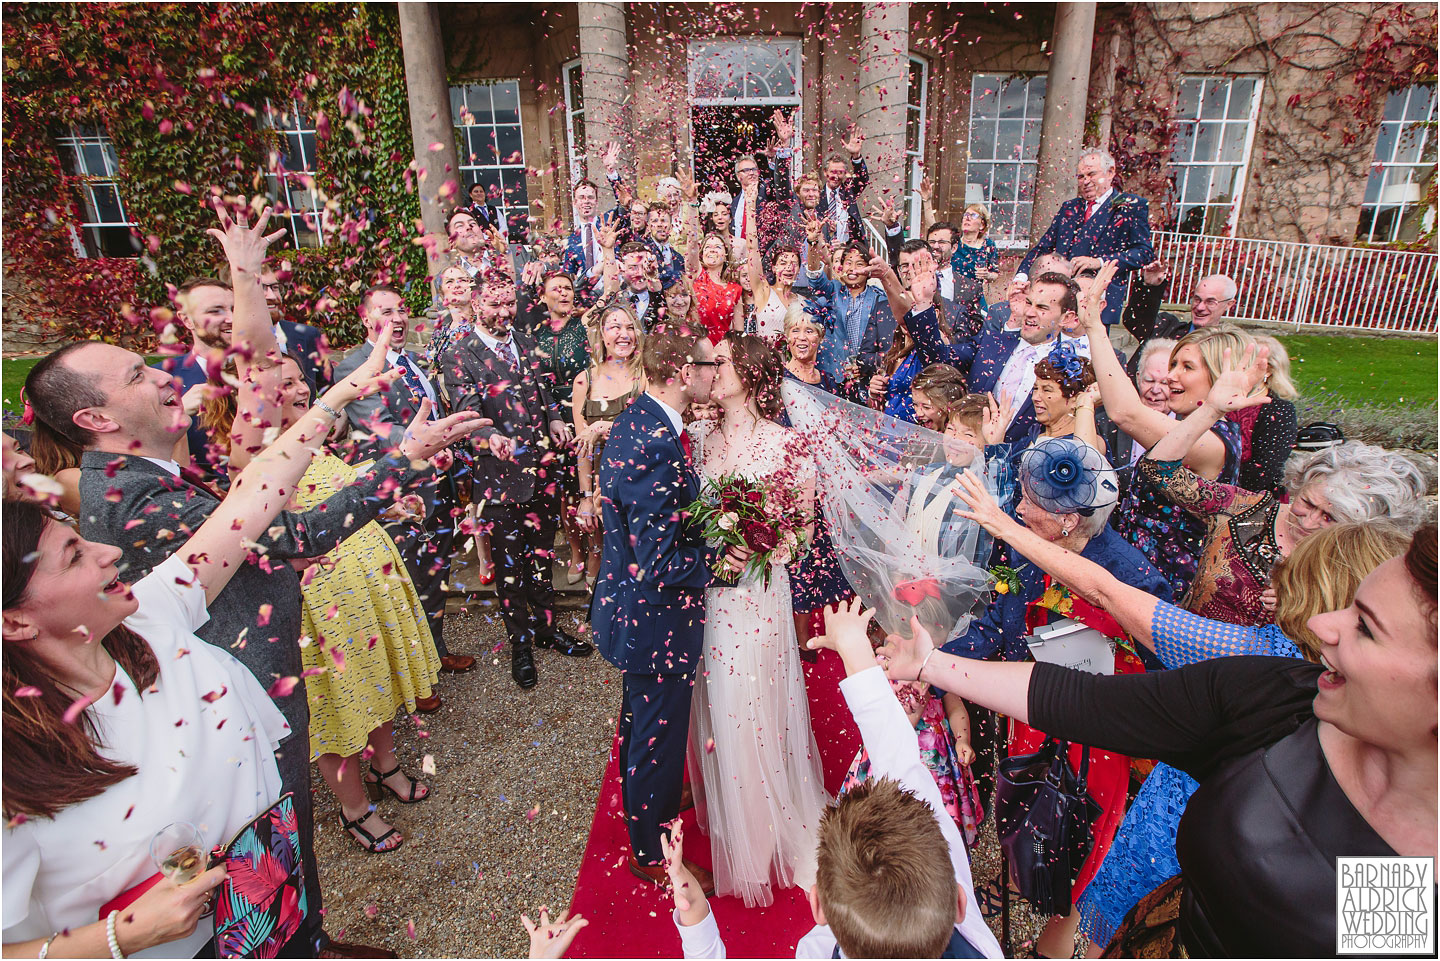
x,y
1212,302
705,363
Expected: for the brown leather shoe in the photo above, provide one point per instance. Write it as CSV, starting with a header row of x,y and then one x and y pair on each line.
x,y
656,875
339,949
457,663
687,797
427,705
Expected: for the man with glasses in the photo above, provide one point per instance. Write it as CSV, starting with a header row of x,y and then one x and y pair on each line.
x,y
1211,300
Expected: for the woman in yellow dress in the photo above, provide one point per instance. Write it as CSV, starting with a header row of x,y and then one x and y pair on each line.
x,y
366,648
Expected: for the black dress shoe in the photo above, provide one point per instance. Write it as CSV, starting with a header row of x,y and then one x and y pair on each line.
x,y
565,644
522,666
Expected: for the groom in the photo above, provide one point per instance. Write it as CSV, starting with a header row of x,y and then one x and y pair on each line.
x,y
648,611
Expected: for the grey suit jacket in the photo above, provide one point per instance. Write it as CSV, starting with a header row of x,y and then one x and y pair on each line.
x,y
473,377
385,413
169,509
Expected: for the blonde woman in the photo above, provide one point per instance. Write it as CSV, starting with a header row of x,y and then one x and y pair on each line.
x,y
615,378
975,253
1267,433
680,302
772,301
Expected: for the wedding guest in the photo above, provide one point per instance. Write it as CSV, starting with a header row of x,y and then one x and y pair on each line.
x,y
1211,299
615,377
492,371
853,302
845,180
305,342
204,306
457,293
670,261
936,392
912,258
1152,370
1064,398
976,255
1281,749
58,457
16,464
1004,364
1267,432
581,259
679,303
717,297
772,301
81,810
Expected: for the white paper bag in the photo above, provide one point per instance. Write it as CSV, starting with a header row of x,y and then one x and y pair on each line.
x,y
1069,643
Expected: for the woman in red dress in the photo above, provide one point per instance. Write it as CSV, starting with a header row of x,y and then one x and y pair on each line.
x,y
717,298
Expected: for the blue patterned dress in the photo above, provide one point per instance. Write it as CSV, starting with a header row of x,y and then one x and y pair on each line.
x,y
1170,537
1142,856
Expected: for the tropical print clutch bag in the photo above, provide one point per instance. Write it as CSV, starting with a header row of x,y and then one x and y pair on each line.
x,y
261,903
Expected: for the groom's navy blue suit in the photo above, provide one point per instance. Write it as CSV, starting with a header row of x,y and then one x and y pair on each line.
x,y
648,611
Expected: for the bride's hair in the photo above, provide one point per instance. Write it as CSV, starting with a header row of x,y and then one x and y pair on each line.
x,y
759,368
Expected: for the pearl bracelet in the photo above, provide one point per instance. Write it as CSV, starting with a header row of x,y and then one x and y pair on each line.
x,y
113,941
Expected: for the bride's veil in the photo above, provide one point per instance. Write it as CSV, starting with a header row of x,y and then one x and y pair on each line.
x,y
884,486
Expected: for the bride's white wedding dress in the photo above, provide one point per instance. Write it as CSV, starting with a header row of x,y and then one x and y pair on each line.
x,y
759,789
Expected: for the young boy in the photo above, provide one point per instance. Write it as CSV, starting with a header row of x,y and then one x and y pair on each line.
x,y
882,889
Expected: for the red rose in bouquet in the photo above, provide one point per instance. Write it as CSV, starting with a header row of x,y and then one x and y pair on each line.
x,y
759,536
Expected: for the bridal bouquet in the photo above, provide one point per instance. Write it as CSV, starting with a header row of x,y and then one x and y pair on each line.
x,y
734,511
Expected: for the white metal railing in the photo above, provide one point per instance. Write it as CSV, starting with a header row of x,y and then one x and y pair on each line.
x,y
1356,287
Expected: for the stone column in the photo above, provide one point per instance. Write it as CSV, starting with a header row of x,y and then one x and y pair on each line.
x,y
1063,124
437,166
605,68
884,84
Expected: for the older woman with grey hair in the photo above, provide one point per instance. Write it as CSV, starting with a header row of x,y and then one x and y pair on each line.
x,y
1250,531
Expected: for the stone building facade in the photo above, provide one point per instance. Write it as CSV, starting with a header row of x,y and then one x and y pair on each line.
x,y
1237,119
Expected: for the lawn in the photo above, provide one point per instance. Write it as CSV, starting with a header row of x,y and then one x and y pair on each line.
x,y
13,371
1370,371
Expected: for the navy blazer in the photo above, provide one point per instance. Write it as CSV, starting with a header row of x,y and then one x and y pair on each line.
x,y
1119,231
648,610
991,353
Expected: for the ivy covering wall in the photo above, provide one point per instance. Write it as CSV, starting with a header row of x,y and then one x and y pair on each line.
x,y
180,89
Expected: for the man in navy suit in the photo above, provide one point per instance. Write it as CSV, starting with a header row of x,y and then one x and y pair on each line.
x,y
1101,224
1005,362
648,610
582,255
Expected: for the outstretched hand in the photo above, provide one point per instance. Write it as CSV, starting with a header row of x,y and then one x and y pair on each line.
x,y
244,246
981,507
905,656
368,378
551,939
1092,310
425,437
995,419
1234,388
684,888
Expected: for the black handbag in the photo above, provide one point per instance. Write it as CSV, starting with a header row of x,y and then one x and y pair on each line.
x,y
1044,816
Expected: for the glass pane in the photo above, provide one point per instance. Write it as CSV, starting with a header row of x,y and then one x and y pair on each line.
x,y
509,146
457,105
514,181
1007,180
1030,149
1422,102
577,88
1386,220
1408,148
70,158
1367,220
983,96
1007,141
1373,185
1022,220
1188,105
1197,185
1222,183
291,154
1427,152
1027,182
112,162
482,145
114,241
1012,99
507,101
982,139
92,156
1232,149
1185,143
1242,93
1035,98
1192,220
979,174
912,131
1395,105
106,203
1385,146
577,133
491,179
307,140
478,95
1004,220
917,83
1207,142
1217,220
1212,103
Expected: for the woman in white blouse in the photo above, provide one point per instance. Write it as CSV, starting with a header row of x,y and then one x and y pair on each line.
x,y
106,743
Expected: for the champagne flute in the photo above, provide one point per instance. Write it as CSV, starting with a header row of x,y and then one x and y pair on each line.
x,y
178,850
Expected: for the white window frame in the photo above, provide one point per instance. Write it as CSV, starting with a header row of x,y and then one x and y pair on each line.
x,y
1413,172
794,103
1017,242
916,156
1243,172
75,138
282,181
468,166
575,151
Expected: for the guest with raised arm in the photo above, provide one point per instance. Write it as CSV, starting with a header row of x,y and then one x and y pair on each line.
x,y
853,301
717,297
772,300
1169,537
1298,763
1004,363
1268,431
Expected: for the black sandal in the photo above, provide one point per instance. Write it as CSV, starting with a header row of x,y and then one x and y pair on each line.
x,y
367,841
990,898
372,788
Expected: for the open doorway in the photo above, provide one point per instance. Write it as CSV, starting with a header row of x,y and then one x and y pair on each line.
x,y
722,134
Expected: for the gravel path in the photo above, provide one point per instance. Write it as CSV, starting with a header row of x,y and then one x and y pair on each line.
x,y
503,832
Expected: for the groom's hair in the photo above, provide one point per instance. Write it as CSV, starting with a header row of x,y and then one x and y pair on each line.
x,y
885,882
668,347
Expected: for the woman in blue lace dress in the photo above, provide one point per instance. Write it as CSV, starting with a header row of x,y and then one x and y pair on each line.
x,y
1162,530
975,253
1322,574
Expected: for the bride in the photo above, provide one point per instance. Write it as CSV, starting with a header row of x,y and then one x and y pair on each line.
x,y
754,765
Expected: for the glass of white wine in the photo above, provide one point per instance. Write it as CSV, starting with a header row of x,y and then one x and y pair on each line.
x,y
178,850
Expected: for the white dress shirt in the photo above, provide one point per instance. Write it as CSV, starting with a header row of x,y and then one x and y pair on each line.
x,y
840,212
1017,379
392,357
945,282
167,464
640,300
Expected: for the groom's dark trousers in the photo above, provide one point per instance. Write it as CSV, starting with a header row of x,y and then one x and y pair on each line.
x,y
648,609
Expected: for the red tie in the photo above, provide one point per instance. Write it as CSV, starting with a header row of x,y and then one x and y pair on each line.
x,y
1089,209
688,447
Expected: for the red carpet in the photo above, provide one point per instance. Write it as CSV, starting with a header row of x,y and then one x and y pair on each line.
x,y
631,919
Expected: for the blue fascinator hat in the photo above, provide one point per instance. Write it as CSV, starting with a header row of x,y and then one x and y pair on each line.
x,y
1067,476
1063,358
819,310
